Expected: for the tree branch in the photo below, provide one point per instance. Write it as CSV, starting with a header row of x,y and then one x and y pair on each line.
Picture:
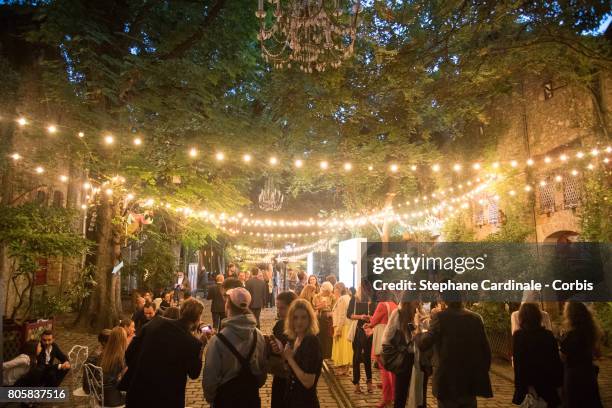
x,y
184,46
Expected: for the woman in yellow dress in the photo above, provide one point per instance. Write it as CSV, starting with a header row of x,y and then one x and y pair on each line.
x,y
342,349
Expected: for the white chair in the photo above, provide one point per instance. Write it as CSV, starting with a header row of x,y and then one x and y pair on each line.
x,y
77,357
95,379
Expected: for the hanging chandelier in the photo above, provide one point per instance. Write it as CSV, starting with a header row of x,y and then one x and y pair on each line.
x,y
270,198
312,34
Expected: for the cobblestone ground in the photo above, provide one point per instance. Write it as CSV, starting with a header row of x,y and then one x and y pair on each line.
x,y
501,377
502,381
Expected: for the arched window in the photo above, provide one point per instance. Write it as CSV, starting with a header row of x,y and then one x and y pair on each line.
x,y
58,199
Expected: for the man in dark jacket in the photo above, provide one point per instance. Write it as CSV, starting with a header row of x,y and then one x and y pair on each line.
x,y
162,356
259,292
217,306
462,355
52,361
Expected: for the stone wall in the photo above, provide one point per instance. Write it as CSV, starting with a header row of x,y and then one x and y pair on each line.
x,y
529,124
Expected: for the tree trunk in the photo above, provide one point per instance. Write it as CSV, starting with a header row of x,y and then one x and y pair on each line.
x,y
104,312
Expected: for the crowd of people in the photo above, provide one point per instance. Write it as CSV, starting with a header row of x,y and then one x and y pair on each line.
x,y
146,359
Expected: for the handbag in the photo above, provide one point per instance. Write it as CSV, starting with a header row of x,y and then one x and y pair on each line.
x,y
394,354
350,335
378,331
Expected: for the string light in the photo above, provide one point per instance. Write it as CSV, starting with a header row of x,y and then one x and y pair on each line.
x,y
220,156
530,162
246,158
413,167
109,139
547,160
324,165
513,163
370,167
63,178
298,163
476,166
394,168
273,161
436,167
39,170
109,191
348,166
495,165
86,185
137,141
15,156
52,129
193,152
22,121
457,167
83,206
558,178
81,134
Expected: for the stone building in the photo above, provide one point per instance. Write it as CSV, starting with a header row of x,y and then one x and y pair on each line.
x,y
543,119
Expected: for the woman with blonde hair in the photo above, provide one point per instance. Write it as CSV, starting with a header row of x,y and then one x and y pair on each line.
x,y
323,303
308,293
113,367
303,355
342,351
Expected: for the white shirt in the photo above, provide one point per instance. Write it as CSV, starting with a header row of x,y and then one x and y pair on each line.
x,y
15,369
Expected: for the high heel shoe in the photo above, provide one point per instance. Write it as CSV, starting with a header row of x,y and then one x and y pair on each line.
x,y
358,389
370,387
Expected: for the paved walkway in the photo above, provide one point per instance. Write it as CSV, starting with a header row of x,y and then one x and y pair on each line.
x,y
501,377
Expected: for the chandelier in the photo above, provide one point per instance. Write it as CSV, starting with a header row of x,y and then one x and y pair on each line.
x,y
270,198
312,34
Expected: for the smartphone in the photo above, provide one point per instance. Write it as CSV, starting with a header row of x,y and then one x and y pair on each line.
x,y
207,328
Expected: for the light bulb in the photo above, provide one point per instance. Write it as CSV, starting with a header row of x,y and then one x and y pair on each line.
x,y
528,188
109,191
476,166
52,129
457,167
137,141
22,121
246,158
547,160
109,139
324,165
63,178
15,156
81,134
558,178
86,186
530,162
348,166
370,167
496,165
273,161
435,167
39,170
513,163
220,156
563,157
394,168
298,163
193,152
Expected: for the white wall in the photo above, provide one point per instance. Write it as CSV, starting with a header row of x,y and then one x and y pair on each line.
x,y
350,250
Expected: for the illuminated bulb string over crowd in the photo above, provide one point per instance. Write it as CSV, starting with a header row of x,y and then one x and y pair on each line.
x,y
447,200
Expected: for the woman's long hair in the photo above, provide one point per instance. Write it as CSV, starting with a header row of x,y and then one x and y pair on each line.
x,y
112,357
308,292
30,348
313,324
578,317
406,312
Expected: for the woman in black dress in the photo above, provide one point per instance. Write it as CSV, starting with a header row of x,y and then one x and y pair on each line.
x,y
537,365
579,346
303,355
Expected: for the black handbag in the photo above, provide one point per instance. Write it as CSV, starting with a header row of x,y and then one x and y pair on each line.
x,y
395,354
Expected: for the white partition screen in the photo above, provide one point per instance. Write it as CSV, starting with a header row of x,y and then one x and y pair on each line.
x,y
349,251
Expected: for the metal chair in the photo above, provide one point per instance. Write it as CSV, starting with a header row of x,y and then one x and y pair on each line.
x,y
77,357
95,380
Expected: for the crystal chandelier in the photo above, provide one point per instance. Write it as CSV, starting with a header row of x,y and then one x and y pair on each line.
x,y
270,198
312,34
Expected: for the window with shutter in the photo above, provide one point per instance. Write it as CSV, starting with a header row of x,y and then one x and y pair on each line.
x,y
572,191
547,197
